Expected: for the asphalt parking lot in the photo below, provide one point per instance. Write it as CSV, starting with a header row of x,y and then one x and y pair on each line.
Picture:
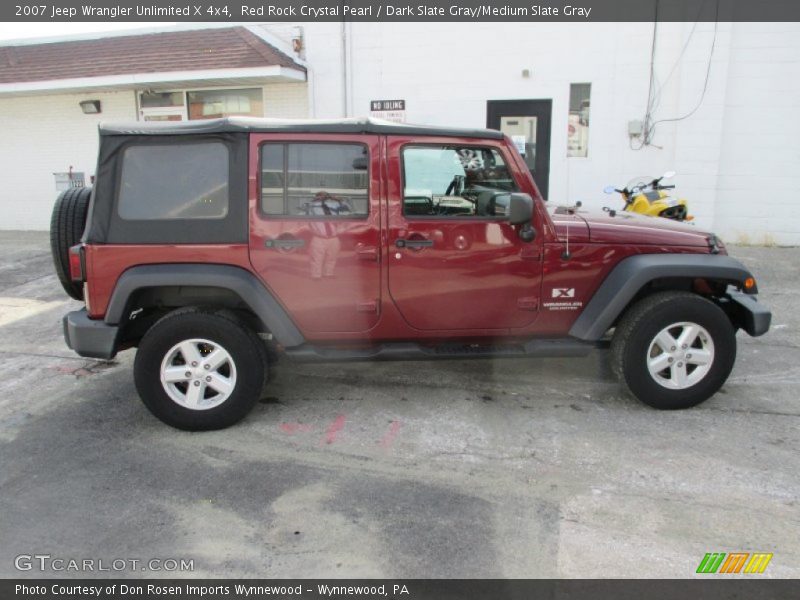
x,y
514,468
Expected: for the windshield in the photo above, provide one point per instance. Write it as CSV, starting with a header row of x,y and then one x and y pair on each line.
x,y
640,182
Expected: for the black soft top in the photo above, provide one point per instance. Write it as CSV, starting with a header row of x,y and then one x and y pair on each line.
x,y
254,125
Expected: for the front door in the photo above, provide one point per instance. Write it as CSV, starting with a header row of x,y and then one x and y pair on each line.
x,y
527,122
454,260
315,231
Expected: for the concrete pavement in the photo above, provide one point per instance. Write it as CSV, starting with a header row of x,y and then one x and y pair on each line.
x,y
515,468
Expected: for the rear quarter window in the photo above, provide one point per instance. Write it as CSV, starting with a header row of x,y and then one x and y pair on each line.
x,y
174,181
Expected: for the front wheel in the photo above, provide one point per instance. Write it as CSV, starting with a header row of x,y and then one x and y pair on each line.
x,y
199,369
673,350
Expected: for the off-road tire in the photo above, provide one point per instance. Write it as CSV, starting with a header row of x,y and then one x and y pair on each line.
x,y
66,229
637,330
228,332
268,358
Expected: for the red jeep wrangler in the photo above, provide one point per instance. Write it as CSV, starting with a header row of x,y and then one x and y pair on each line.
x,y
217,246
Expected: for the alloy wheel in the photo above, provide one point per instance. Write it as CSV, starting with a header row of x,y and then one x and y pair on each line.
x,y
680,355
198,374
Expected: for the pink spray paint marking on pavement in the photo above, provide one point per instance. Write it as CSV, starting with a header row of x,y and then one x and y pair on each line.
x,y
292,428
334,429
391,435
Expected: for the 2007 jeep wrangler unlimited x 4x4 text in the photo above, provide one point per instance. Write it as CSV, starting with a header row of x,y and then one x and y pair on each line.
x,y
217,246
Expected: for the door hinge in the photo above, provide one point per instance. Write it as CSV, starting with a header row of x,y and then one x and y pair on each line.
x,y
528,303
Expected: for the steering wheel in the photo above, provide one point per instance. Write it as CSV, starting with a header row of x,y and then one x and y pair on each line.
x,y
455,187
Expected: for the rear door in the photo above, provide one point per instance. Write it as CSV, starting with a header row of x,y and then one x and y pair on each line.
x,y
315,227
454,261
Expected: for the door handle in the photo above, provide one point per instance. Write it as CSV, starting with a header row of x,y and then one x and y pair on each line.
x,y
284,243
403,243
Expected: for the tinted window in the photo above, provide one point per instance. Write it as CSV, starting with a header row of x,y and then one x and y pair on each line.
x,y
175,181
306,179
273,180
455,181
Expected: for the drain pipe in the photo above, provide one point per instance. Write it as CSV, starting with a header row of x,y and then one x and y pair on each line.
x,y
344,69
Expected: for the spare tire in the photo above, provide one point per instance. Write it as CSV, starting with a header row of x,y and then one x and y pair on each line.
x,y
66,229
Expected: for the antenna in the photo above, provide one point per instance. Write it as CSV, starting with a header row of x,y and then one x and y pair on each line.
x,y
566,255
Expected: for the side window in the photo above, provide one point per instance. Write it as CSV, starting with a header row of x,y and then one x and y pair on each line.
x,y
579,104
174,181
315,180
455,181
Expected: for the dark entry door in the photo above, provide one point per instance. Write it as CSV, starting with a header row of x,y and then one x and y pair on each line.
x,y
529,119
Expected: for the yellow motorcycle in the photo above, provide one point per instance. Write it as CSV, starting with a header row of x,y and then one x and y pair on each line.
x,y
648,196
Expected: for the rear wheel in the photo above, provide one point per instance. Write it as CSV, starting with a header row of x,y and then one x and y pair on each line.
x,y
66,229
200,369
674,350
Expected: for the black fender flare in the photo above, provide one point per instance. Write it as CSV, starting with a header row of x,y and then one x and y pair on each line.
x,y
632,273
240,281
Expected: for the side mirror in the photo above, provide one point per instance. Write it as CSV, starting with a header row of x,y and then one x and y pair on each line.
x,y
609,189
520,210
668,175
499,205
360,163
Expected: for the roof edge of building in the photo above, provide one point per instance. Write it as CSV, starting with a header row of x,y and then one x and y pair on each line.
x,y
134,80
253,49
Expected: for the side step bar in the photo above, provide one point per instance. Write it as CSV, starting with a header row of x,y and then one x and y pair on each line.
x,y
565,347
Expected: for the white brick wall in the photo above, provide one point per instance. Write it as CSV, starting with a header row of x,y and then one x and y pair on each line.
x,y
734,155
446,73
757,199
42,135
286,100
